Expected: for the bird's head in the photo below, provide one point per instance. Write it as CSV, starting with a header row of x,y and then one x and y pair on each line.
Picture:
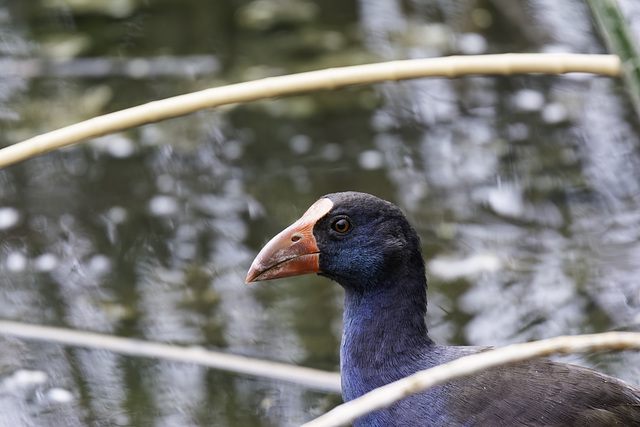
x,y
356,239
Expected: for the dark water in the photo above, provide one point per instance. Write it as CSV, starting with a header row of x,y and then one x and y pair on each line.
x,y
525,190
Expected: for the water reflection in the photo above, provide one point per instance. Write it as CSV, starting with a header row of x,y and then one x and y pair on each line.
x,y
527,185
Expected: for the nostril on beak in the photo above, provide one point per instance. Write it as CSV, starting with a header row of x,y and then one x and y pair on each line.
x,y
295,237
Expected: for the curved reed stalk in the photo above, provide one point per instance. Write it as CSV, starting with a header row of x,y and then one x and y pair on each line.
x,y
312,378
329,79
469,365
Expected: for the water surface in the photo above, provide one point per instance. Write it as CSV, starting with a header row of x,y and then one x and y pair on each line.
x,y
524,190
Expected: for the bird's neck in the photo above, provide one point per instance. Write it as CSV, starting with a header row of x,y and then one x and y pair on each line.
x,y
384,331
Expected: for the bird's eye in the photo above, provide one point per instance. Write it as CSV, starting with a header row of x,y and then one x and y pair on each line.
x,y
341,225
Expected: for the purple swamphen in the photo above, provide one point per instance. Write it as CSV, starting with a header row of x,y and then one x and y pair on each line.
x,y
367,245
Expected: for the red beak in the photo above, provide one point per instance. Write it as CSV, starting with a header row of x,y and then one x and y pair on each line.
x,y
293,251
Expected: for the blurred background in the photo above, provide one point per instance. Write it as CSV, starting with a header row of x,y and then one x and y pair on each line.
x,y
525,191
